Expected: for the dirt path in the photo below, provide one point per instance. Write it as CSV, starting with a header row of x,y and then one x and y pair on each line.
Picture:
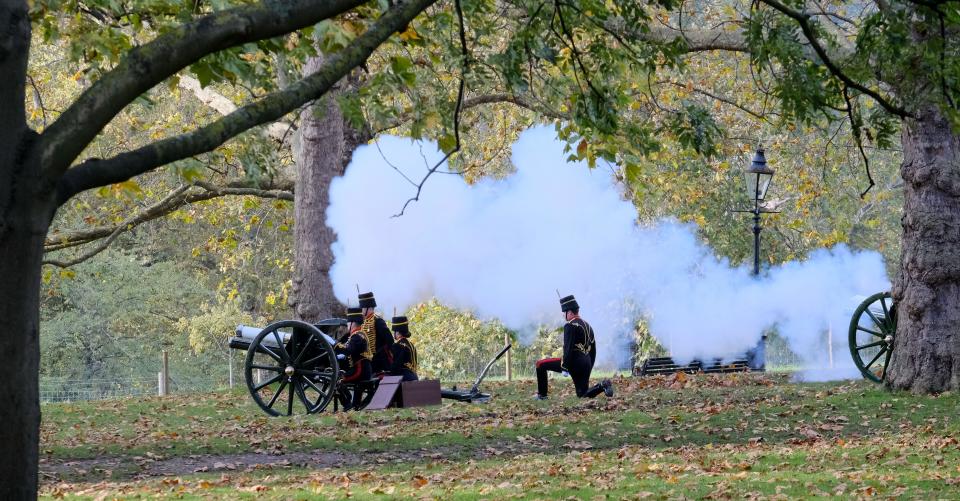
x,y
141,467
151,465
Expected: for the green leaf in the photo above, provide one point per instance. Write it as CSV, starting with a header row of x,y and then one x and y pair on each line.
x,y
203,72
447,143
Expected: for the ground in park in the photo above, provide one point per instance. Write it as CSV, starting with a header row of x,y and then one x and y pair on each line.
x,y
708,436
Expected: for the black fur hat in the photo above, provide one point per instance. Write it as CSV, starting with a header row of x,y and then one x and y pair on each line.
x,y
569,303
367,300
354,315
399,324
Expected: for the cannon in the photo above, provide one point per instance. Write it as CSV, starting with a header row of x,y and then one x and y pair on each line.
x,y
872,330
291,367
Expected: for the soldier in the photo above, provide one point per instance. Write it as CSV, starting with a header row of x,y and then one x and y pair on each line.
x,y
352,353
379,340
404,352
579,354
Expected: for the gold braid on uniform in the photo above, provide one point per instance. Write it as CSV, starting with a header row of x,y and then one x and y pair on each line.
x,y
412,364
369,330
585,346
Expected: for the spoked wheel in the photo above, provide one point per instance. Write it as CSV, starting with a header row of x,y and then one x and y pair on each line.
x,y
872,330
291,369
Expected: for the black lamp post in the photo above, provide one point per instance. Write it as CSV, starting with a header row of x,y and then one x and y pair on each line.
x,y
758,178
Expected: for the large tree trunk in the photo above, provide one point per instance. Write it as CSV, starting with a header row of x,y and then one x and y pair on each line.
x,y
25,208
326,145
926,355
21,251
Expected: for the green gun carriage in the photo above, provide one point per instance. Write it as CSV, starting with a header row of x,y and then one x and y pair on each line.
x,y
872,330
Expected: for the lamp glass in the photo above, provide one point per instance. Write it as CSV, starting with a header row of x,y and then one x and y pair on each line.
x,y
762,183
757,184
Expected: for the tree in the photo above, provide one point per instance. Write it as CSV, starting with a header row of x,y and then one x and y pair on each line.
x,y
327,141
38,173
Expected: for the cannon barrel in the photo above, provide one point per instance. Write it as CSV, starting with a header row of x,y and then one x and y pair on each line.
x,y
245,334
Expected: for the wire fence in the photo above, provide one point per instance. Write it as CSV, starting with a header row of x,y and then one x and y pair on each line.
x,y
73,389
228,372
78,390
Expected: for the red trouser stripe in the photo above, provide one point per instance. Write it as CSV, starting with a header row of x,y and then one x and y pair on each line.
x,y
546,361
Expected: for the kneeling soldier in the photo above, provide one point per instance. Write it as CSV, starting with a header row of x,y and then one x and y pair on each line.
x,y
579,354
379,340
353,356
404,352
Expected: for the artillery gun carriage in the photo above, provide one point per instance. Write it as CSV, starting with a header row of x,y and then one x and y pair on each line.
x,y
291,367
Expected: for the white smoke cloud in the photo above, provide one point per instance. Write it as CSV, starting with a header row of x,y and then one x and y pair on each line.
x,y
502,248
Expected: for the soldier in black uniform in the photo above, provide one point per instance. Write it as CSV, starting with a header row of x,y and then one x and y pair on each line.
x,y
579,354
352,355
379,339
404,352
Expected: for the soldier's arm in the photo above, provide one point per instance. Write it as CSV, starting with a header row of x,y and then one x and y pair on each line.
x,y
568,340
399,358
356,346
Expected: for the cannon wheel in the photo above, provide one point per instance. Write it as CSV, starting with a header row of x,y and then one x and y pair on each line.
x,y
297,376
872,330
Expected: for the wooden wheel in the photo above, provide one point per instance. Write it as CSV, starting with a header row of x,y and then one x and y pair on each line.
x,y
872,330
291,368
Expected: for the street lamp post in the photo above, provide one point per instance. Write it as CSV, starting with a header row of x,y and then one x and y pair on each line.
x,y
758,178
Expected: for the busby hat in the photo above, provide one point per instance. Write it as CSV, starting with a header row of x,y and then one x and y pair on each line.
x,y
355,315
367,300
399,324
569,303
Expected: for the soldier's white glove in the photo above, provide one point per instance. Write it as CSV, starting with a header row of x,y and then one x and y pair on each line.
x,y
565,374
341,356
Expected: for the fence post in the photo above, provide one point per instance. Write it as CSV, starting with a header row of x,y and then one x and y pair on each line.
x,y
506,341
163,384
830,343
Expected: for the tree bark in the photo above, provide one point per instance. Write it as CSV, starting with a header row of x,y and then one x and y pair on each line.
x,y
926,354
25,209
326,144
21,249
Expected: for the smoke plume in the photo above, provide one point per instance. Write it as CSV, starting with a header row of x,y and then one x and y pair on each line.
x,y
501,248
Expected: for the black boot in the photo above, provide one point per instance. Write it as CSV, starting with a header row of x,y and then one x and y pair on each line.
x,y
607,387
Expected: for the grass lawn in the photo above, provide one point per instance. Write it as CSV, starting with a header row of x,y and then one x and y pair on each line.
x,y
725,436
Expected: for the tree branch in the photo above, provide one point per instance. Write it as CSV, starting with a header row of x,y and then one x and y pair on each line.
x,y
472,102
99,172
756,114
477,101
855,128
224,106
146,66
695,41
803,20
456,112
174,200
